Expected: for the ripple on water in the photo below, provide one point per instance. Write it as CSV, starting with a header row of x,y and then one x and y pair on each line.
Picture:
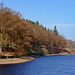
x,y
51,65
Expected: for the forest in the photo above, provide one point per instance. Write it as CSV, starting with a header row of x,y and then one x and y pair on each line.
x,y
26,37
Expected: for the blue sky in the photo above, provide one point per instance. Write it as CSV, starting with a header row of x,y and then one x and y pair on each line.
x,y
49,13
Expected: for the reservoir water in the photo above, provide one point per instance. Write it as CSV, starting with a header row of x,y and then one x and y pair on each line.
x,y
51,65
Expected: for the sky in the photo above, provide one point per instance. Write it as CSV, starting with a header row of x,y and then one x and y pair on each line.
x,y
49,13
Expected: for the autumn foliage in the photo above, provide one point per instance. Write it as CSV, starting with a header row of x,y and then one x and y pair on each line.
x,y
26,36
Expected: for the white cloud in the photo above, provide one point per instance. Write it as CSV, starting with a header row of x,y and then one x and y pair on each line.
x,y
60,25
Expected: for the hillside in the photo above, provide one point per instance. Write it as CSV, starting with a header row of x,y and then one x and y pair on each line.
x,y
70,46
26,37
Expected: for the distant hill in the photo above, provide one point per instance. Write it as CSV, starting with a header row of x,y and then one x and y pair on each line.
x,y
71,43
71,40
70,46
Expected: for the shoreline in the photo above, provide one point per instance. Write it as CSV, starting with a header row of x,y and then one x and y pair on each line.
x,y
15,60
8,61
65,53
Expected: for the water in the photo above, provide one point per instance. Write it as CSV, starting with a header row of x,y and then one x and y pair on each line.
x,y
51,65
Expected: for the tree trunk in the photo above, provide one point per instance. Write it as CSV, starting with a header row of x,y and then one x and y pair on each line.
x,y
1,41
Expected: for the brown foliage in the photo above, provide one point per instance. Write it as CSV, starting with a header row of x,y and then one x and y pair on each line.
x,y
22,34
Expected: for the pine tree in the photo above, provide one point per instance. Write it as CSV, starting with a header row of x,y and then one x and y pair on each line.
x,y
45,28
37,23
55,31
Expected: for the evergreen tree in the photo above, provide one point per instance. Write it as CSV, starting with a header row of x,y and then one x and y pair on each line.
x,y
37,23
31,22
45,28
55,31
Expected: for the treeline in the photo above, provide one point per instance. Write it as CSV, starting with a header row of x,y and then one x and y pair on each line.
x,y
27,37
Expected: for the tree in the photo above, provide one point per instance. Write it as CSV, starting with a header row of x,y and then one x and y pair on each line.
x,y
1,8
21,34
31,22
55,31
37,23
45,28
51,30
70,44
